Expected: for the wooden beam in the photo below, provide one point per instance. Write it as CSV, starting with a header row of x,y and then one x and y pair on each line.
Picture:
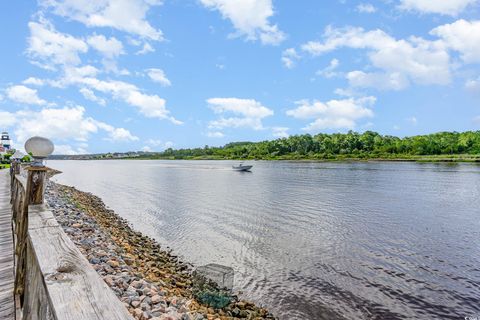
x,y
72,288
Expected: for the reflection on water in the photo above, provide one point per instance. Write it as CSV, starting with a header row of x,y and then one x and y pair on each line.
x,y
312,240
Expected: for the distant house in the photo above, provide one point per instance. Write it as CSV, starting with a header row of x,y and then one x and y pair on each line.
x,y
5,144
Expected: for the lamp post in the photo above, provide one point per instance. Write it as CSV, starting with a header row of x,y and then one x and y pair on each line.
x,y
40,148
17,155
15,164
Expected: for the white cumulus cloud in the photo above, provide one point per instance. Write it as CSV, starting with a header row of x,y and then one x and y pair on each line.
x,y
24,95
90,95
246,107
329,71
150,105
366,8
289,57
66,149
462,36
444,7
378,80
246,113
147,48
402,61
49,47
280,132
7,119
124,15
110,48
250,18
473,85
159,76
156,144
62,124
333,114
34,81
116,134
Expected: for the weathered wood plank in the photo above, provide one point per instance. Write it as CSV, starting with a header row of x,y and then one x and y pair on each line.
x,y
7,305
22,180
53,280
40,217
36,304
72,288
20,217
36,184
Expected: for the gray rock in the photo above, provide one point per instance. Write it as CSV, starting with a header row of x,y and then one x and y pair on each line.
x,y
135,303
156,299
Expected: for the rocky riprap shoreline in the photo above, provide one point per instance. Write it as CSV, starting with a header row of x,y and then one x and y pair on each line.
x,y
151,282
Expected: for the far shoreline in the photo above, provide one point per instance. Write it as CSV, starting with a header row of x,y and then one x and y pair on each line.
x,y
417,159
352,146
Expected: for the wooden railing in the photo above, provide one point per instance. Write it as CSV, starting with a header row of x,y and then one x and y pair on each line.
x,y
53,280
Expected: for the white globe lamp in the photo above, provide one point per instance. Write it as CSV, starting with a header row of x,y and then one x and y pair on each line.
x,y
18,155
40,148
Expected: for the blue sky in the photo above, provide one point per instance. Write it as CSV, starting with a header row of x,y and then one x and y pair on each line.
x,y
119,75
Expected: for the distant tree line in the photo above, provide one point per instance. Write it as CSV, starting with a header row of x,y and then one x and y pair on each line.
x,y
338,145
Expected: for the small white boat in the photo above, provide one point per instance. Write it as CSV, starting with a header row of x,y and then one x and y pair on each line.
x,y
242,167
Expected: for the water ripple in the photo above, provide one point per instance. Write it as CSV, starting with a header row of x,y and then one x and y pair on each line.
x,y
312,240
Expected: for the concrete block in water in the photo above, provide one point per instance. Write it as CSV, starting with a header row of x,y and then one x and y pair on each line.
x,y
221,275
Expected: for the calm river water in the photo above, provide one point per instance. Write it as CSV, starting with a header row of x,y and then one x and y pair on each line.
x,y
312,240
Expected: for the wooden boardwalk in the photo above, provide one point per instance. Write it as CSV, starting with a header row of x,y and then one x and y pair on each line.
x,y
7,306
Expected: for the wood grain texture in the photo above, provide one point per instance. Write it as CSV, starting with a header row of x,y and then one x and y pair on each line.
x,y
7,305
36,304
36,184
53,280
40,217
20,227
72,288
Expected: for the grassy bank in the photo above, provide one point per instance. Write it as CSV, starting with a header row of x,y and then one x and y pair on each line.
x,y
4,166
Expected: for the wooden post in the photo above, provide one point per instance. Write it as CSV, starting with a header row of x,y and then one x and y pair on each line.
x,y
36,184
16,168
34,194
12,181
20,214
